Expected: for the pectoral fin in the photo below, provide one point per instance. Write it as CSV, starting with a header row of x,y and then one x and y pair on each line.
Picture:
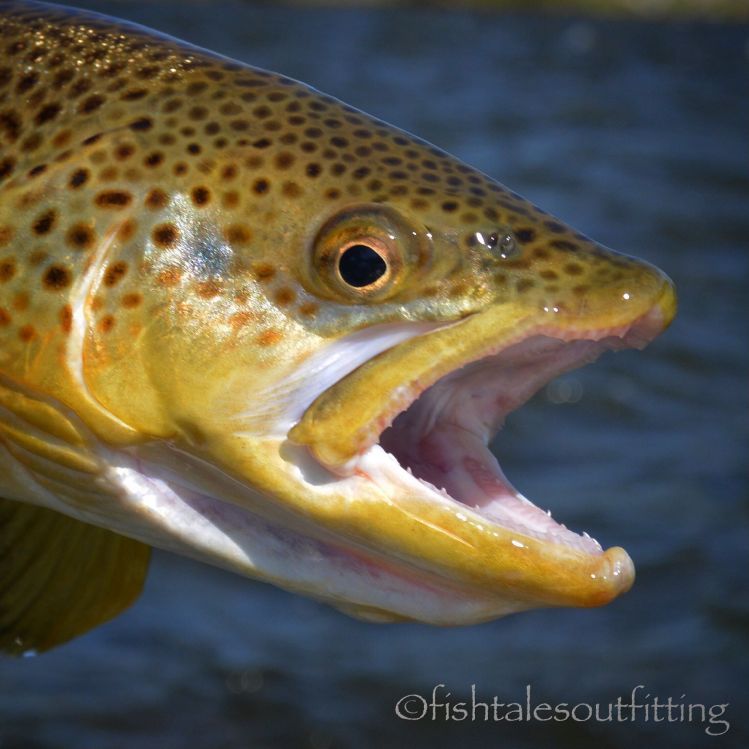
x,y
60,577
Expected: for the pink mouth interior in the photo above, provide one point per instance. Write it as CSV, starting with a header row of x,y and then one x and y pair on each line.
x,y
443,437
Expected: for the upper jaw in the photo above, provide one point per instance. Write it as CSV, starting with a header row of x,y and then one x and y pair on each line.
x,y
348,417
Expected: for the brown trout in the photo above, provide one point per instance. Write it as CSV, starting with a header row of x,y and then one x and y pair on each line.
x,y
244,322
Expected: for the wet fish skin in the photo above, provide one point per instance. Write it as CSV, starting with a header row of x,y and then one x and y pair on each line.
x,y
169,169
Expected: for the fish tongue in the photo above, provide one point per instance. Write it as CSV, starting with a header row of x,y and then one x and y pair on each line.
x,y
457,460
454,458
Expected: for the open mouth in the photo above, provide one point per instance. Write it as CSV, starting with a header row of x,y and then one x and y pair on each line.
x,y
442,436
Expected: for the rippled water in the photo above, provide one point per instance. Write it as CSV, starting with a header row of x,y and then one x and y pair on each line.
x,y
635,134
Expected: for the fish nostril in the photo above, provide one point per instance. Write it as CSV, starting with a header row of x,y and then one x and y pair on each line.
x,y
501,243
508,246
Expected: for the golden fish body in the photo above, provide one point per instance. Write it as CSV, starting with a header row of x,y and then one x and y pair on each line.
x,y
218,289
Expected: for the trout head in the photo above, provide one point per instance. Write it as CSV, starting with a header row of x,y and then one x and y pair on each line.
x,y
342,330
295,329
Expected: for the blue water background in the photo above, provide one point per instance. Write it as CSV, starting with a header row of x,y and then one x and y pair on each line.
x,y
636,134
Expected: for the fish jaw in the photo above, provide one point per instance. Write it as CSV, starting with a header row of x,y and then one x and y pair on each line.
x,y
170,500
336,431
454,565
478,540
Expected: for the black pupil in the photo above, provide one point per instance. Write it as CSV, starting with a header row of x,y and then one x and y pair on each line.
x,y
361,266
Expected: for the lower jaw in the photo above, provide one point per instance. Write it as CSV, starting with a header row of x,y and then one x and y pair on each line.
x,y
507,561
377,545
229,526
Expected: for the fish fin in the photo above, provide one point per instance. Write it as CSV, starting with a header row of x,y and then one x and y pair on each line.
x,y
60,577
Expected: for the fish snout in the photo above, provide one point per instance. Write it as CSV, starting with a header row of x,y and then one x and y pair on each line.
x,y
602,291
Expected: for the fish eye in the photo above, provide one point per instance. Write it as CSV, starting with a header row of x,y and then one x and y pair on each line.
x,y
363,253
361,265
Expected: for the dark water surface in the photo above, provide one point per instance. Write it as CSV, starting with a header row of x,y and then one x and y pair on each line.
x,y
635,134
